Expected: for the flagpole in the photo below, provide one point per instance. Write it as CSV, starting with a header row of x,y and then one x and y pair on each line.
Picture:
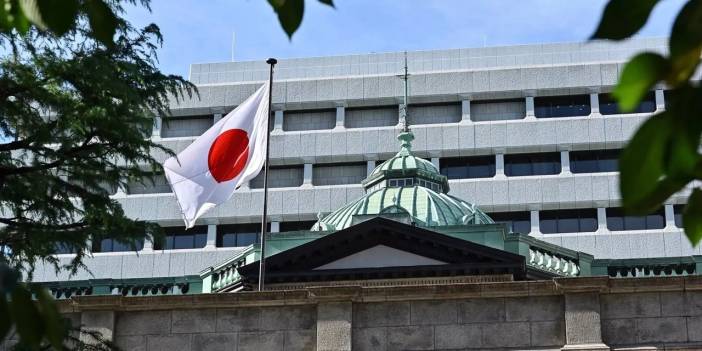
x,y
264,217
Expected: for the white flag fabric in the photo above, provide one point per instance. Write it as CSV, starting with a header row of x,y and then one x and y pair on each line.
x,y
223,158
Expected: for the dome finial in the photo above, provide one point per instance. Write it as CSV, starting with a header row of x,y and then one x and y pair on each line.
x,y
405,139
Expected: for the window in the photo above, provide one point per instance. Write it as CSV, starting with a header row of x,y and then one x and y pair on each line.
x,y
399,183
112,245
532,164
158,184
434,113
293,226
181,238
280,177
562,106
468,167
64,248
594,161
568,221
374,116
186,126
497,110
609,106
237,235
617,220
517,222
309,120
339,173
677,213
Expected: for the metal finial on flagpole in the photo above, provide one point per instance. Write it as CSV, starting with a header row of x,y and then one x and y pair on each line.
x,y
403,111
264,217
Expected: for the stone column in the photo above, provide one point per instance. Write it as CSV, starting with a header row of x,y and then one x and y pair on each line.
x,y
307,175
102,322
275,227
278,121
535,228
211,236
530,108
435,161
156,131
670,218
334,326
340,116
595,104
500,165
582,319
601,219
565,162
465,111
370,166
660,100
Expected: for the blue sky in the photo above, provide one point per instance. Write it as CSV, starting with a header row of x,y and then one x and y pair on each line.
x,y
201,31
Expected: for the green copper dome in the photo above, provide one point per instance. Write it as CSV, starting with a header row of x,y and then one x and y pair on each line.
x,y
406,188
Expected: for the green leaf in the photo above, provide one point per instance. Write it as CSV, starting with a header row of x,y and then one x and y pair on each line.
x,y
642,162
686,41
53,323
26,317
103,21
290,14
640,74
327,2
58,16
623,18
692,217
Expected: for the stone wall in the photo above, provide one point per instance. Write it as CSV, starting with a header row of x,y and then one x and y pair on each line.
x,y
596,313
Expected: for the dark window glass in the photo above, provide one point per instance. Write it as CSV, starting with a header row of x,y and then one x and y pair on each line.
x,y
112,245
668,97
677,213
593,161
180,238
468,167
609,106
293,226
617,220
568,221
235,235
517,222
532,164
562,106
64,248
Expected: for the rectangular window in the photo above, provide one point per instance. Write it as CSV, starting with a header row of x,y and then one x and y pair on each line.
x,y
677,213
468,167
238,235
532,164
181,238
187,126
112,245
369,117
568,221
497,110
517,222
158,184
309,120
339,173
280,177
434,113
609,105
562,106
618,221
294,226
593,161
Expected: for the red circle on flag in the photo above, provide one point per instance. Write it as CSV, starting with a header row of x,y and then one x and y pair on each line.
x,y
228,155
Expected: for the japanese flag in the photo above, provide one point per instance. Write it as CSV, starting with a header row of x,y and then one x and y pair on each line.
x,y
223,158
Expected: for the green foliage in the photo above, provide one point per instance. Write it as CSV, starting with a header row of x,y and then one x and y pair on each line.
x,y
663,156
290,13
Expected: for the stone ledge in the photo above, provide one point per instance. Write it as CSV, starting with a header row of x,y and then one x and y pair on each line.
x,y
314,295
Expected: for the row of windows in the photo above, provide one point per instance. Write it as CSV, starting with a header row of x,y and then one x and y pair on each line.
x,y
379,116
583,220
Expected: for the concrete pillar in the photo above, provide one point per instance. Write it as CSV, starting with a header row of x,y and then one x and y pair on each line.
x,y
594,104
217,117
565,162
340,117
275,227
660,100
307,175
582,321
211,236
102,322
670,218
601,219
278,121
370,166
334,326
530,107
435,161
465,111
535,228
500,165
156,131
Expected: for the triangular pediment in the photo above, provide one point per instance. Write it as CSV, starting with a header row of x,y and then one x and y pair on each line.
x,y
380,248
380,256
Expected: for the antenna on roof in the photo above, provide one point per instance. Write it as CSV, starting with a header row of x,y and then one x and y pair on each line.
x,y
404,108
233,43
